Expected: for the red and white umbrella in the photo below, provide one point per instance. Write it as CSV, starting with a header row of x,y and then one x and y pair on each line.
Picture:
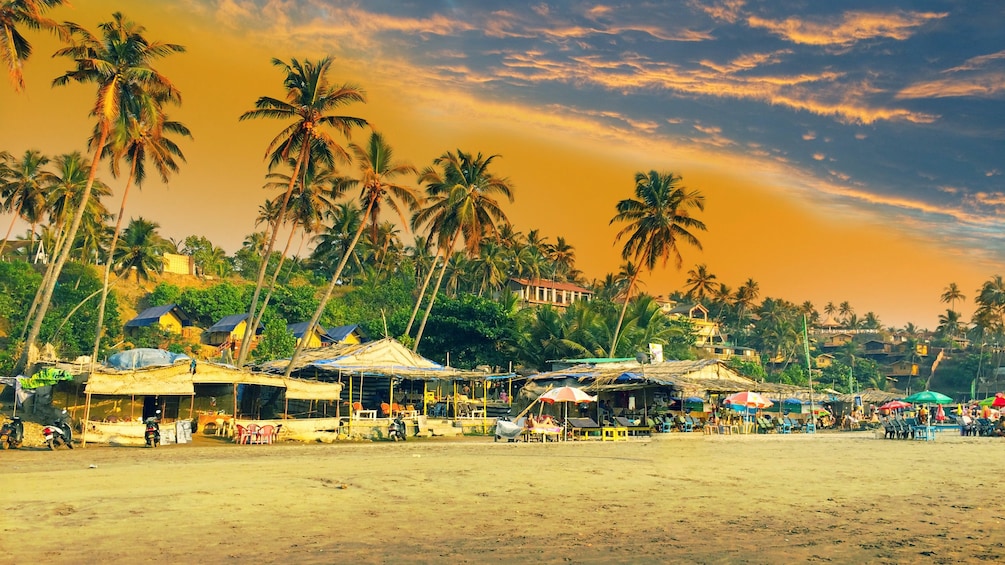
x,y
895,405
566,394
748,399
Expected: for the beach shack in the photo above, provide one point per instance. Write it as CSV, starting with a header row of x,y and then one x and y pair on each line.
x,y
383,378
212,395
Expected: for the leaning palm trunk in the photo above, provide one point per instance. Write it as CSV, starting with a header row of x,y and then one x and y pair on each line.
x,y
17,214
621,317
422,293
275,277
64,253
38,292
248,331
327,295
432,297
108,265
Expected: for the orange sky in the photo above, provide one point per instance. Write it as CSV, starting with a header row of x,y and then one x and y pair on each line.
x,y
764,218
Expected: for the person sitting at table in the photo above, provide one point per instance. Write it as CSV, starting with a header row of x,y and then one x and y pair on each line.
x,y
999,429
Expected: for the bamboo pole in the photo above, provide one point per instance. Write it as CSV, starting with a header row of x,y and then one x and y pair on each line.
x,y
83,426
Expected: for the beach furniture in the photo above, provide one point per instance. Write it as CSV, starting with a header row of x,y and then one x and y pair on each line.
x,y
584,428
634,427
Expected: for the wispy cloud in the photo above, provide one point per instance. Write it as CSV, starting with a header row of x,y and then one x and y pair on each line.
x,y
846,29
981,77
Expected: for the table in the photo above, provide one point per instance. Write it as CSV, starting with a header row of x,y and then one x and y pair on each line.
x,y
408,413
365,414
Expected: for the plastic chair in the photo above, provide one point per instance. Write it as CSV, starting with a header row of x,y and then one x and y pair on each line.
x,y
243,436
266,433
385,409
254,433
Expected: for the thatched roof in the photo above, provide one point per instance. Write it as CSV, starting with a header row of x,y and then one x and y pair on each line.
x,y
385,357
689,377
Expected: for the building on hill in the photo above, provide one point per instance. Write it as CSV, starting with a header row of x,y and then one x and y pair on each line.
x,y
229,331
555,293
179,264
318,338
706,331
169,317
349,335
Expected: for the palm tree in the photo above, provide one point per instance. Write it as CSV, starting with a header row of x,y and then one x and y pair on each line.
x,y
319,187
462,205
142,249
137,139
951,294
309,98
991,301
332,244
24,189
701,283
14,48
119,64
830,309
378,170
657,221
846,311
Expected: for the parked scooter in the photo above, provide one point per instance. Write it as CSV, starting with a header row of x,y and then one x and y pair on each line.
x,y
12,433
152,435
59,433
396,429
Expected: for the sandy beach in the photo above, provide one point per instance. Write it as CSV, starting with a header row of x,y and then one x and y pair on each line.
x,y
837,497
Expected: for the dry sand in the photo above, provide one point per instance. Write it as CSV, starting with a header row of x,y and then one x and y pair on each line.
x,y
839,497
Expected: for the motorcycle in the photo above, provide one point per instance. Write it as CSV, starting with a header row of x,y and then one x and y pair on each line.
x,y
58,433
152,435
396,429
12,433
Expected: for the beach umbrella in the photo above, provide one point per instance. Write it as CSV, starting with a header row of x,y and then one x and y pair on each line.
x,y
895,405
566,394
999,400
940,414
748,400
928,397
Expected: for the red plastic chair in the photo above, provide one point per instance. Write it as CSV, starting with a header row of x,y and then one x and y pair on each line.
x,y
385,409
266,434
254,433
243,436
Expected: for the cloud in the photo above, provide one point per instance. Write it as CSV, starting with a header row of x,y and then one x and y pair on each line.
x,y
847,29
979,77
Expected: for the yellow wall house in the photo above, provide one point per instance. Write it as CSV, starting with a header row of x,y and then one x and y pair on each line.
x,y
169,317
318,337
229,330
179,264
705,330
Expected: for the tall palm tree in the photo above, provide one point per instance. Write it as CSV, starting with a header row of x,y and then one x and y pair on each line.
x,y
462,205
24,190
700,282
951,294
378,169
657,220
14,48
319,186
118,62
563,256
845,310
137,139
332,244
310,97
991,301
142,249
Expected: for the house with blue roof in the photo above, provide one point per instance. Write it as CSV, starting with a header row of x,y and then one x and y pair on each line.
x,y
169,317
349,335
317,338
229,330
